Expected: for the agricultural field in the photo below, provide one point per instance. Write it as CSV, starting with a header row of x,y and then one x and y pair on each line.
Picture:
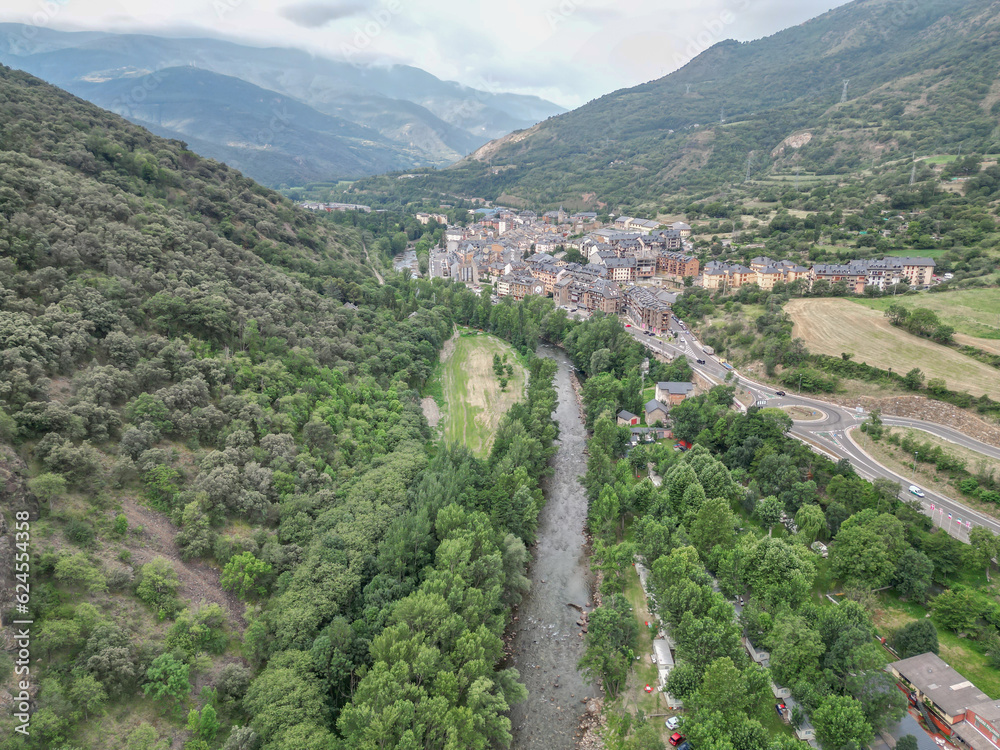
x,y
835,326
974,313
473,400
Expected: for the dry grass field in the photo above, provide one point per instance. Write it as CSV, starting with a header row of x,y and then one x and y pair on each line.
x,y
474,402
833,326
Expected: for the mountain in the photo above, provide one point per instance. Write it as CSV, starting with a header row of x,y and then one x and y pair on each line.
x,y
920,77
269,136
426,120
210,418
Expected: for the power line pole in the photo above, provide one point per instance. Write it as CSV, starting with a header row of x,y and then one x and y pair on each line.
x,y
843,96
749,164
913,172
722,116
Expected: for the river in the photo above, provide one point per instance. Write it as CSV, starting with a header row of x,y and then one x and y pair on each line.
x,y
547,643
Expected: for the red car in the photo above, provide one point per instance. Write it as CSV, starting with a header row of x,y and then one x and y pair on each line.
x,y
676,738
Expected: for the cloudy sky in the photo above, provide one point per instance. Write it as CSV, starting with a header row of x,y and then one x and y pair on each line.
x,y
568,51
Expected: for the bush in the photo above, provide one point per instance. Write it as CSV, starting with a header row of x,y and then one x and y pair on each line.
x,y
158,584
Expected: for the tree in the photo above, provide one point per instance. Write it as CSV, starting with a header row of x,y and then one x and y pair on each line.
x,y
840,722
167,676
88,694
956,609
203,723
867,548
906,742
811,522
913,575
713,526
795,650
242,574
768,510
914,638
48,486
158,584
984,545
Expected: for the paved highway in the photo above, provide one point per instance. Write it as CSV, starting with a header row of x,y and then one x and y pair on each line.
x,y
831,433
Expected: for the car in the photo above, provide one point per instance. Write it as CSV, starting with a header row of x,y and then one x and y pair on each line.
x,y
700,361
676,738
779,393
628,325
685,745
914,490
673,722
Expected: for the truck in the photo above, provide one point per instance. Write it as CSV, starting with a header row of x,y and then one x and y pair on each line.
x,y
708,350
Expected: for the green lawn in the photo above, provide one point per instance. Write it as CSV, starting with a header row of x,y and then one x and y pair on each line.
x,y
974,312
474,402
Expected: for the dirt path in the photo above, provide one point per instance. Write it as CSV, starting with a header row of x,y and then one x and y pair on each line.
x,y
198,580
378,276
431,411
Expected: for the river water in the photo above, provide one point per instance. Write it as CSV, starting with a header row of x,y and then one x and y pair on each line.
x,y
547,643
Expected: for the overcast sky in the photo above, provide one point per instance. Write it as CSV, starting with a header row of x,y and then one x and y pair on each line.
x,y
568,51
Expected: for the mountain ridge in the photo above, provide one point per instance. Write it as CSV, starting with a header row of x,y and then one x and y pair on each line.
x,y
434,121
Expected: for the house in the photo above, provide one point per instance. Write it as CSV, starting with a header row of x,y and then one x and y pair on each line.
x,y
649,435
680,226
805,732
673,393
621,270
627,419
664,660
656,412
943,690
759,656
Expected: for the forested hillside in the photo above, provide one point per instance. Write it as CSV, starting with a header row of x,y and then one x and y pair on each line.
x,y
241,535
921,79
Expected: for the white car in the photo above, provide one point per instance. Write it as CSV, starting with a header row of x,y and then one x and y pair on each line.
x,y
673,722
914,490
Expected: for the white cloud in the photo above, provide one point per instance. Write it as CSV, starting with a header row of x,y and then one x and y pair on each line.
x,y
569,51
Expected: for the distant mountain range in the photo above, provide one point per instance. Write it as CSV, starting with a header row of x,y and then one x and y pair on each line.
x,y
868,81
282,116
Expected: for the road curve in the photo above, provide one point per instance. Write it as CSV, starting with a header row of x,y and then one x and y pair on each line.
x,y
831,435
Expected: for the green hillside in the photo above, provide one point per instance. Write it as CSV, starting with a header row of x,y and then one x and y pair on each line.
x,y
211,437
921,79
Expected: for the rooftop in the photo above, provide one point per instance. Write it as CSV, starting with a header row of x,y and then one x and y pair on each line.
x,y
932,676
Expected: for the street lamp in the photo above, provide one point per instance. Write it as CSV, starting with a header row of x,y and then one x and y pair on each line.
x,y
800,382
914,462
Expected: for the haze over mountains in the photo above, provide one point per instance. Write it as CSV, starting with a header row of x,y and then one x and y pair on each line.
x,y
921,77
282,116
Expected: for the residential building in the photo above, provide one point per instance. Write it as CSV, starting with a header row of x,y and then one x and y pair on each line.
x,y
621,270
937,685
656,412
647,311
603,295
673,393
677,264
627,419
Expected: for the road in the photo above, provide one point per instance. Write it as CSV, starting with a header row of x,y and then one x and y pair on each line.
x,y
831,433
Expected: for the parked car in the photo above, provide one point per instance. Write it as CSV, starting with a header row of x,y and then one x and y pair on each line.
x,y
914,490
673,722
685,745
628,325
676,738
779,393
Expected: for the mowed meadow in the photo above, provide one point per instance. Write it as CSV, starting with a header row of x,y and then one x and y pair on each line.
x,y
973,313
473,400
836,326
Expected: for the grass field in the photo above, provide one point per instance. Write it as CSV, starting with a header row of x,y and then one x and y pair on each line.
x,y
973,312
473,401
833,326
